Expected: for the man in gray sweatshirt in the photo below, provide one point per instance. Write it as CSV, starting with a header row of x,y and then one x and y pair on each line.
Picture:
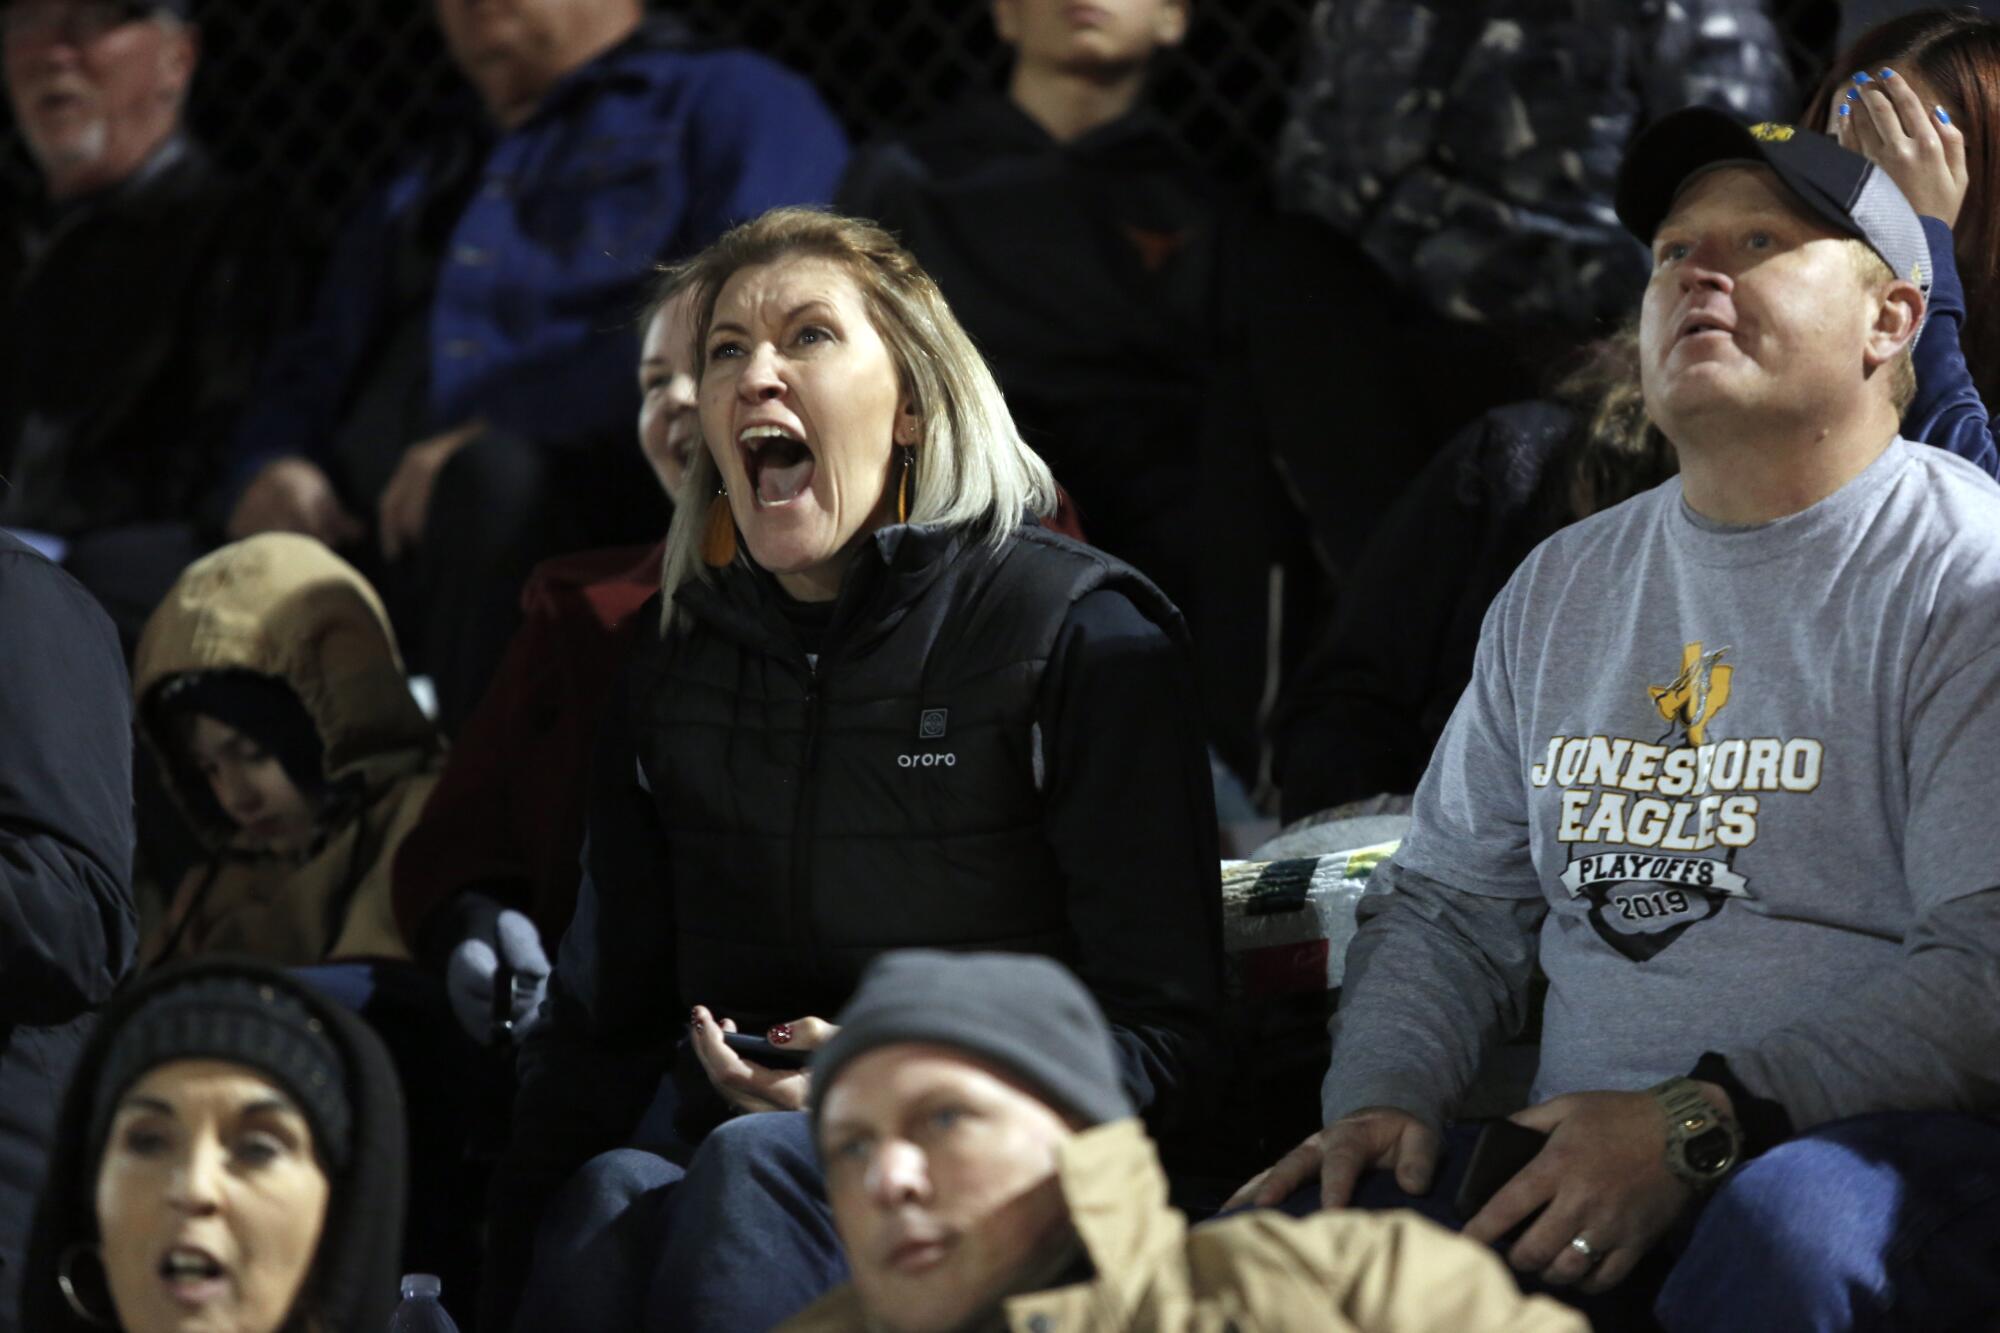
x,y
1724,770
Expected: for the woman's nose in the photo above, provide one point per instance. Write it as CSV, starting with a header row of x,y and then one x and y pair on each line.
x,y
195,1185
760,380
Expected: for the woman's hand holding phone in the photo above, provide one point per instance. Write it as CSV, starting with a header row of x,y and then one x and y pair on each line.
x,y
746,1084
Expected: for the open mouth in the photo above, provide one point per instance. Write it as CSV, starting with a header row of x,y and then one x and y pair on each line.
x,y
779,464
1696,325
193,1276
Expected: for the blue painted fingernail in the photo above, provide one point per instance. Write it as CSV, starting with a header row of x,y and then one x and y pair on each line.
x,y
1852,94
1943,119
1860,76
1843,106
1888,73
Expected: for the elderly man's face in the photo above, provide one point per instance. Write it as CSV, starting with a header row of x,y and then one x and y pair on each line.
x,y
88,80
942,1177
1754,305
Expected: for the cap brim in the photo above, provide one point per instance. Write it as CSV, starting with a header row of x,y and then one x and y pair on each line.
x,y
1677,146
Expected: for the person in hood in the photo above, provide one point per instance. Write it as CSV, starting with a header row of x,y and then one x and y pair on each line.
x,y
269,688
879,705
232,1158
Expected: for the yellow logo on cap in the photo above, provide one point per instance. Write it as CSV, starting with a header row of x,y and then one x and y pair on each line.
x,y
1772,132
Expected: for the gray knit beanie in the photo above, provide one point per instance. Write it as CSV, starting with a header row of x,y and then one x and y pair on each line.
x,y
1024,1013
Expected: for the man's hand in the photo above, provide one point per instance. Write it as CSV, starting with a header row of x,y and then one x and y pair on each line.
x,y
406,501
1375,1137
1925,156
1603,1176
292,495
750,1087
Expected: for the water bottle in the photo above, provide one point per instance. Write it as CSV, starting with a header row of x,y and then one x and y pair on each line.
x,y
420,1311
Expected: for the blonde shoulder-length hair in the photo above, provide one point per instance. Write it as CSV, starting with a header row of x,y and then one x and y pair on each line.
x,y
971,469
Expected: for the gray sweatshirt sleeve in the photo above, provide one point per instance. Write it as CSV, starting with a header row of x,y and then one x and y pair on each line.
x,y
1435,977
1924,1035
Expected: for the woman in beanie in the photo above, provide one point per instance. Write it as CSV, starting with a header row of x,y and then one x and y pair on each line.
x,y
269,688
879,705
231,1158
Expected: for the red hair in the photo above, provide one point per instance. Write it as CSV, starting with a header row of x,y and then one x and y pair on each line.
x,y
1957,53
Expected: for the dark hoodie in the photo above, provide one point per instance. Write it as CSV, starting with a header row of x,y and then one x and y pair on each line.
x,y
352,1287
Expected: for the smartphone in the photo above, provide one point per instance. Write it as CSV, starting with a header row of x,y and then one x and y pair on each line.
x,y
1502,1150
758,1051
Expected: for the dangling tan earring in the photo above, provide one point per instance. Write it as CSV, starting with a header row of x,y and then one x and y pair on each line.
x,y
68,1285
718,539
903,488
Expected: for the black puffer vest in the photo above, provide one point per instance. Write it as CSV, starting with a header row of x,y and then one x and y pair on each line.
x,y
888,794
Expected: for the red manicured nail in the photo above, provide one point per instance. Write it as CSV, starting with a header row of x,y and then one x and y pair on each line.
x,y
780,1034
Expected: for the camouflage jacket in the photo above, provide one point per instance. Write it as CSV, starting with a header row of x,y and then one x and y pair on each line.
x,y
1471,146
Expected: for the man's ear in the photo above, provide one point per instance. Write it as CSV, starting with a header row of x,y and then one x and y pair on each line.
x,y
179,55
1007,20
1172,27
1899,311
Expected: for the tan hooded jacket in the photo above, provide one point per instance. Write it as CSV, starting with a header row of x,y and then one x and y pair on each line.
x,y
1255,1272
286,606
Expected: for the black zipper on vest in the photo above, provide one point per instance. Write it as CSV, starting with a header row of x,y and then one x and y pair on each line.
x,y
802,819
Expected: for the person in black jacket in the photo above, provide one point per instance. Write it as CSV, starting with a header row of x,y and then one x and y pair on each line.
x,y
1165,340
137,294
67,928
1367,707
881,708
232,1156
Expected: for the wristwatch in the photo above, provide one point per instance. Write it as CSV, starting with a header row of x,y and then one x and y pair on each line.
x,y
1702,1142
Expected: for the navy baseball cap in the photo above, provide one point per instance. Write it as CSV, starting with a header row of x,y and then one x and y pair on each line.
x,y
1850,193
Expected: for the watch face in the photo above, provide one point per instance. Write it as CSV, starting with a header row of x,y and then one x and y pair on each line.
x,y
1708,1152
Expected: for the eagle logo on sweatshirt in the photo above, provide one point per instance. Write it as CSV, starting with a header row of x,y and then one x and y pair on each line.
x,y
1653,826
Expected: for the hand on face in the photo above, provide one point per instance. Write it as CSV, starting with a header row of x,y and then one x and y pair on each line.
x,y
749,1087
941,1173
1904,130
802,407
1603,1176
209,1201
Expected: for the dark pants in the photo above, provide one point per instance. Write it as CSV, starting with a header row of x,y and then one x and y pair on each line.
x,y
1880,1222
738,1241
501,505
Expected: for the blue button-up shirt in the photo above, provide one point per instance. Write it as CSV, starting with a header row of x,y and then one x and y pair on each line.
x,y
642,156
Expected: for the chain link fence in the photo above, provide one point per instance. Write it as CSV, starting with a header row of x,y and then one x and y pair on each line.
x,y
313,99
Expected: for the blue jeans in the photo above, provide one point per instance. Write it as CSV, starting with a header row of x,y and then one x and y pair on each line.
x,y
738,1241
1885,1221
